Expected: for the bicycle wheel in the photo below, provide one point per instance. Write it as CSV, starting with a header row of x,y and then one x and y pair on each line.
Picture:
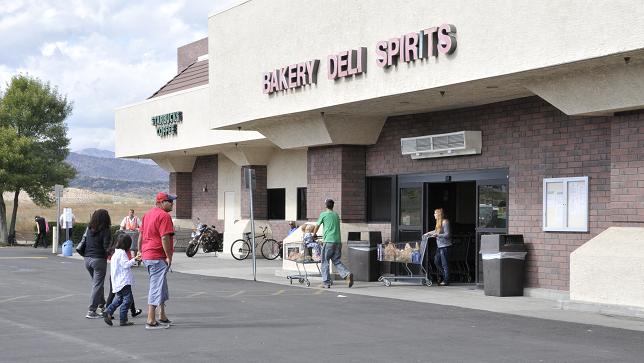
x,y
270,249
240,249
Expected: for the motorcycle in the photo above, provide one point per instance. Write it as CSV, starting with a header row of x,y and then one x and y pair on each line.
x,y
206,237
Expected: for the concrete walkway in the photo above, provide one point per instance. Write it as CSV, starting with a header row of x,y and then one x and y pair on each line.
x,y
539,303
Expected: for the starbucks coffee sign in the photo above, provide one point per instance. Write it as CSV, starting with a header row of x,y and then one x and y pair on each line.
x,y
166,124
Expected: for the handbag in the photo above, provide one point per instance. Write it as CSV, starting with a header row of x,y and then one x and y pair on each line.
x,y
80,249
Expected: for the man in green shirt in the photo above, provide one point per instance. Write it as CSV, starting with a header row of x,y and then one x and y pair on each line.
x,y
332,247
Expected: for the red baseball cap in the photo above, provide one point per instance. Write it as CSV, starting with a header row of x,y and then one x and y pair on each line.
x,y
162,196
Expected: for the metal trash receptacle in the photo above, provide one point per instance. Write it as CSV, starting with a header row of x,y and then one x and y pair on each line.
x,y
503,264
363,254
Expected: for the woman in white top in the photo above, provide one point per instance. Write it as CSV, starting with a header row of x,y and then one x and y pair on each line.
x,y
122,280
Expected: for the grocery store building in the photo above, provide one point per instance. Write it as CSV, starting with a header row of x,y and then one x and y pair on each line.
x,y
515,117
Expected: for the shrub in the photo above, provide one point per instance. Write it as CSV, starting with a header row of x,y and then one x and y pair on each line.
x,y
77,232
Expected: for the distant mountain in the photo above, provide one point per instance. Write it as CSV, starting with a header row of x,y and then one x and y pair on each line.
x,y
96,153
144,189
118,169
110,154
116,176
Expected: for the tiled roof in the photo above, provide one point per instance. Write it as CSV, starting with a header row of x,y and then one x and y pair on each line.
x,y
194,75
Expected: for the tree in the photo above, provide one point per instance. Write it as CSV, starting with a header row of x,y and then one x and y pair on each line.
x,y
36,112
13,149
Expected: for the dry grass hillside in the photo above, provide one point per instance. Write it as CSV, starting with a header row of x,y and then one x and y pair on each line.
x,y
83,203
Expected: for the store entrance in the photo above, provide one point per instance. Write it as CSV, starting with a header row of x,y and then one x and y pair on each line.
x,y
475,202
458,201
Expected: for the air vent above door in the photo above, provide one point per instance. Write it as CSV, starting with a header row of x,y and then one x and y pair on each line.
x,y
440,145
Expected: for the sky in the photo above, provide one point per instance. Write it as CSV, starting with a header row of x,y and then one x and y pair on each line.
x,y
102,54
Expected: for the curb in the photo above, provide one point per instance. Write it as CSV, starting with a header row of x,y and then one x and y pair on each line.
x,y
603,309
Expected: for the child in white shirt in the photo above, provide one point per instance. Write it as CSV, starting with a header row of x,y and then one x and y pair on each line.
x,y
122,280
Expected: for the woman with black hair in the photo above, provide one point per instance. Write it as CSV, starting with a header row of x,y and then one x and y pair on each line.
x,y
97,241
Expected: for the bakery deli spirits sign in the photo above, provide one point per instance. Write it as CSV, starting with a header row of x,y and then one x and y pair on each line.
x,y
166,124
428,42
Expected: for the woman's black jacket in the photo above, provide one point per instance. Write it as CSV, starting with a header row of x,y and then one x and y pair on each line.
x,y
96,243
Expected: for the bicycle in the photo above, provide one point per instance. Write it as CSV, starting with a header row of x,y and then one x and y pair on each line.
x,y
241,248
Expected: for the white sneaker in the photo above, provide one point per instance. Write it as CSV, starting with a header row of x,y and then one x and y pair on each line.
x,y
156,326
93,315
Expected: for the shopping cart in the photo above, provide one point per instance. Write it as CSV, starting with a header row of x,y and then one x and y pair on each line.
x,y
408,253
301,255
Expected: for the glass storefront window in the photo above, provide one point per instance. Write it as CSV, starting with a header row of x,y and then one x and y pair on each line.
x,y
493,206
411,206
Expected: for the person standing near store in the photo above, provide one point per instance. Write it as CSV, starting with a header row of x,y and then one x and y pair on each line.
x,y
41,229
97,242
67,220
332,247
155,244
130,222
443,235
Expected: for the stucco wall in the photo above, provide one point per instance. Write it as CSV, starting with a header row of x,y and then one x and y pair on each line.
x,y
608,269
136,136
228,180
494,38
287,169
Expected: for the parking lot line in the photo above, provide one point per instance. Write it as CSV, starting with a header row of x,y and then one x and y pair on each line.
x,y
13,298
58,297
237,293
195,294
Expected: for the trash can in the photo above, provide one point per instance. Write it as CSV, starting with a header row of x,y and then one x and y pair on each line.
x,y
503,264
363,255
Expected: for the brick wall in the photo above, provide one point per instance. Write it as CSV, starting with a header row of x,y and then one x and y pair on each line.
x,y
323,179
353,184
384,228
534,141
336,172
204,175
279,229
260,196
627,169
181,186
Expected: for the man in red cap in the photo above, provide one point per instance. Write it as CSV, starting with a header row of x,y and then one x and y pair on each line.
x,y
156,248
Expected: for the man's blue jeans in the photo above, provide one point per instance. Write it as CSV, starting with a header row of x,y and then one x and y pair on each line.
x,y
333,252
441,261
124,299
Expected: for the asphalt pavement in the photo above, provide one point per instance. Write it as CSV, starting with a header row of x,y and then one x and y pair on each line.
x,y
43,300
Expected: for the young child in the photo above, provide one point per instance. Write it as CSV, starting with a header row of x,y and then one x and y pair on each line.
x,y
122,280
133,310
309,242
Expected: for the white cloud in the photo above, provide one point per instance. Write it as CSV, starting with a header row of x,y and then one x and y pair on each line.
x,y
102,54
97,137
